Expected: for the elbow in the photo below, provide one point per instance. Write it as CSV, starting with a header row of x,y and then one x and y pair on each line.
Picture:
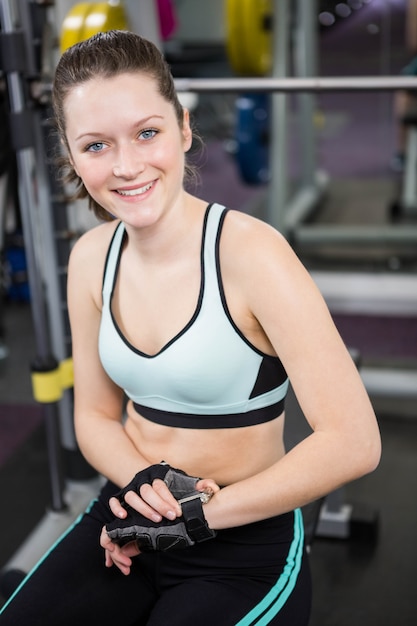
x,y
373,460
370,455
377,453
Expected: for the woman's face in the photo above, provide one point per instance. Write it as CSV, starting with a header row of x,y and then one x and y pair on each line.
x,y
127,146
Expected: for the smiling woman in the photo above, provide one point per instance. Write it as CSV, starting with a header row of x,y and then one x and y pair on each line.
x,y
146,61
126,145
200,315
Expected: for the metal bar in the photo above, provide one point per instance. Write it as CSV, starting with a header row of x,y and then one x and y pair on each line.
x,y
389,382
267,84
278,186
368,293
270,84
409,191
358,235
142,17
305,66
304,201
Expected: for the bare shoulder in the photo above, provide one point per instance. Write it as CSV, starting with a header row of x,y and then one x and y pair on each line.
x,y
87,258
93,242
254,246
270,276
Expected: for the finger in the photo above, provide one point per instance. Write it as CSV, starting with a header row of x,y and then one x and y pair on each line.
x,y
118,556
105,540
108,561
123,565
130,549
116,508
121,560
136,502
161,488
150,504
208,485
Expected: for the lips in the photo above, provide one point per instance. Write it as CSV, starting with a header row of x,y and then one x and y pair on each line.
x,y
138,191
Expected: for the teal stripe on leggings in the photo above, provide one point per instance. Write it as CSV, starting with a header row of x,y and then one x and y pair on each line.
x,y
45,556
272,603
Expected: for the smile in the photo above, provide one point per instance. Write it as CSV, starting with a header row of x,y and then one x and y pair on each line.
x,y
135,192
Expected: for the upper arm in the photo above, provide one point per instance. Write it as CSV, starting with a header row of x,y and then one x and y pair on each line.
x,y
94,392
292,313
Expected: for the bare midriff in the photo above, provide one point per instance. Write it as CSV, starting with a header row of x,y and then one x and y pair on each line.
x,y
226,455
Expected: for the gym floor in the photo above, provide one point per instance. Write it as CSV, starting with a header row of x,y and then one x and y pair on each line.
x,y
368,578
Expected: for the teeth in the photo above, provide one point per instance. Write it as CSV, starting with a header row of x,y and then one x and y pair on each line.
x,y
134,192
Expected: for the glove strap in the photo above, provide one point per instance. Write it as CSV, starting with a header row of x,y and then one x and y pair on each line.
x,y
195,521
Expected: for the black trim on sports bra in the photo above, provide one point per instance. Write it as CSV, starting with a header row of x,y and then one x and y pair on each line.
x,y
272,368
199,422
199,300
106,262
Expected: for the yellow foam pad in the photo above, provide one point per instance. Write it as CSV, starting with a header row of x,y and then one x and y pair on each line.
x,y
66,373
48,386
89,18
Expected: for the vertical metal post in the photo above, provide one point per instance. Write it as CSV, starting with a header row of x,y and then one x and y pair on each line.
x,y
278,187
51,269
306,66
143,19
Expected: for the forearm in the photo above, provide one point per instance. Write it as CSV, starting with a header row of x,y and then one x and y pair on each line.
x,y
315,467
106,446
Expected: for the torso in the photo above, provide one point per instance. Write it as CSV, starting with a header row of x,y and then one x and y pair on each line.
x,y
224,454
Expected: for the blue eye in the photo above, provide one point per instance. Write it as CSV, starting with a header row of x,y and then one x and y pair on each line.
x,y
147,134
95,147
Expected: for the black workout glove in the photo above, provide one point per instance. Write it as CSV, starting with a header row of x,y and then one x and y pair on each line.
x,y
177,481
164,535
167,534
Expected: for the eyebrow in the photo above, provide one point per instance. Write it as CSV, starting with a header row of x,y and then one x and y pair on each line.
x,y
137,124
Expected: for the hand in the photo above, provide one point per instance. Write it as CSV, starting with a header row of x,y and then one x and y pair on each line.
x,y
154,501
154,492
121,556
149,536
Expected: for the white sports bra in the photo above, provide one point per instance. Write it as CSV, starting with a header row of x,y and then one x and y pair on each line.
x,y
207,376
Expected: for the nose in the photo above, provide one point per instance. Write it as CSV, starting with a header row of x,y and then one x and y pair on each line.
x,y
128,163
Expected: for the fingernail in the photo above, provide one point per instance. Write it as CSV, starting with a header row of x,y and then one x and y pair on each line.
x,y
156,517
171,515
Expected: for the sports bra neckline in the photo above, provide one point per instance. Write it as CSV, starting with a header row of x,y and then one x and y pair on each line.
x,y
197,309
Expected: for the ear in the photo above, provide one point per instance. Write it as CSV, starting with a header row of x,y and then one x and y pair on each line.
x,y
72,164
187,133
70,159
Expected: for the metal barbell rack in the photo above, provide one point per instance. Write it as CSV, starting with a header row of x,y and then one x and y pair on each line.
x,y
289,218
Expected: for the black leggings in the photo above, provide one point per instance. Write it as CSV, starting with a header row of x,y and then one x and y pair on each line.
x,y
251,575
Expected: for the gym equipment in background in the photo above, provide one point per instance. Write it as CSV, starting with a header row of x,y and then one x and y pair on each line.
x,y
249,36
167,18
405,205
249,51
88,18
42,203
253,137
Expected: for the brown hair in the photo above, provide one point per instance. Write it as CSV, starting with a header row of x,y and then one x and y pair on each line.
x,y
106,55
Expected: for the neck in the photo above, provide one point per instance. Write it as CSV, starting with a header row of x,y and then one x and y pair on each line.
x,y
172,235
